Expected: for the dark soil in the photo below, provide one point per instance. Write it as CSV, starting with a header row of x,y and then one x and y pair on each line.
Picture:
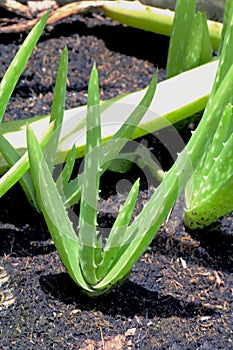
x,y
164,304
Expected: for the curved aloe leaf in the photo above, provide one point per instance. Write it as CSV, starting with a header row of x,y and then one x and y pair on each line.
x,y
58,107
113,247
51,205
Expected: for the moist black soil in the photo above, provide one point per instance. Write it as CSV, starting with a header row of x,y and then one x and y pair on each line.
x,y
179,294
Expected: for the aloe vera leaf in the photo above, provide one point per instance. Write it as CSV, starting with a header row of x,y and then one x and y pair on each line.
x,y
192,52
90,183
12,156
66,173
222,133
58,107
199,49
21,166
215,199
51,205
227,15
226,55
193,194
206,46
16,67
116,237
184,17
152,19
144,227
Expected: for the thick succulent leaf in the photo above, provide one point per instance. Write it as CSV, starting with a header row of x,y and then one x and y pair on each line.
x,y
206,46
215,197
224,130
16,67
199,49
66,173
90,183
184,16
12,156
217,127
194,45
58,107
225,61
117,239
21,166
226,18
51,205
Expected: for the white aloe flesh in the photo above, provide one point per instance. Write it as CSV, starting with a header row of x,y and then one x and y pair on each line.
x,y
175,99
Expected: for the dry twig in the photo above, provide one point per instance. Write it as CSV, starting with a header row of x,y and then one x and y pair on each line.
x,y
56,15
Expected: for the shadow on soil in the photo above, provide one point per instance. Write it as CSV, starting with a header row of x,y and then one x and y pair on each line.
x,y
127,300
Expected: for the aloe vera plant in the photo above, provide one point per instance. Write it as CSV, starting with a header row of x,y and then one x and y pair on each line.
x,y
96,265
81,251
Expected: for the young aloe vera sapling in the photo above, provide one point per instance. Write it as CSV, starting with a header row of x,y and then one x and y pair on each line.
x,y
82,253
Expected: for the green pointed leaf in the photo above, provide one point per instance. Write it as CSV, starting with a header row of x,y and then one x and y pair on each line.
x,y
58,107
117,239
206,46
224,130
199,49
90,183
16,67
226,19
215,196
66,173
184,16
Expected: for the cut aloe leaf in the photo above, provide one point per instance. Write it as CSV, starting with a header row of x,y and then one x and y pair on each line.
x,y
188,93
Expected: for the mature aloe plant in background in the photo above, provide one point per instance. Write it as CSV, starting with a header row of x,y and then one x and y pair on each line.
x,y
210,193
